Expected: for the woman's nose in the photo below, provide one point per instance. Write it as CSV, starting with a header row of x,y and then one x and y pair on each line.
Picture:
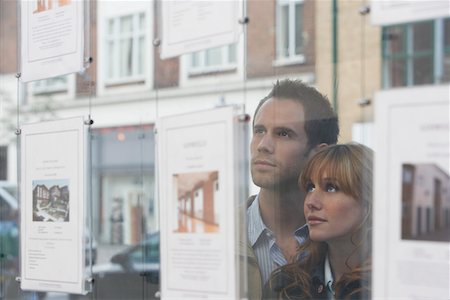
x,y
312,201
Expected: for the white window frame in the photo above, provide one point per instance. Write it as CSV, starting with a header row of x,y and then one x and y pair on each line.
x,y
107,10
224,65
292,58
116,37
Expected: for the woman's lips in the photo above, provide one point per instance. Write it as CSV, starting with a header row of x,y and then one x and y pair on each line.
x,y
313,220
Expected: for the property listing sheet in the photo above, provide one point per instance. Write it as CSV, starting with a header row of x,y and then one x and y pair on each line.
x,y
196,162
412,199
192,25
52,205
52,38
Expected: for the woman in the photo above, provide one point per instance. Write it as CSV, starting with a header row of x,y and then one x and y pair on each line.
x,y
338,204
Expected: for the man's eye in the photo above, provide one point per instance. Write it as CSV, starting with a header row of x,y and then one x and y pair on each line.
x,y
331,188
258,130
310,187
284,133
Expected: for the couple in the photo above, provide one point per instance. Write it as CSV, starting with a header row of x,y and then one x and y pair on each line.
x,y
307,235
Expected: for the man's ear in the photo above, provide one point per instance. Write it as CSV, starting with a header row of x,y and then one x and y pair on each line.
x,y
315,149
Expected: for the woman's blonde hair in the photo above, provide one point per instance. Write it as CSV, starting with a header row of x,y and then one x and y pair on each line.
x,y
351,166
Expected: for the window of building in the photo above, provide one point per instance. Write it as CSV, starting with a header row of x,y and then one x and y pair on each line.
x,y
416,53
57,84
3,163
125,48
290,37
217,59
446,64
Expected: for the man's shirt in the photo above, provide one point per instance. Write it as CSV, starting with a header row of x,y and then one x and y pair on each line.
x,y
263,241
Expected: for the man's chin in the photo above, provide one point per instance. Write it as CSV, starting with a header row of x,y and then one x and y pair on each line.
x,y
265,182
272,182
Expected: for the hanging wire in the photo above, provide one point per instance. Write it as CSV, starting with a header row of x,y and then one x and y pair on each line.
x,y
244,22
364,101
141,206
89,122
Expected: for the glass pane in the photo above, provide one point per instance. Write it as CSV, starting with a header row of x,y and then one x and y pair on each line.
x,y
126,24
232,53
447,33
395,40
141,22
110,65
422,36
284,31
141,56
446,77
195,60
111,26
423,70
299,28
397,73
126,57
213,57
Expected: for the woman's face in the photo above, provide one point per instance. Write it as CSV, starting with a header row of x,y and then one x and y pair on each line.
x,y
330,213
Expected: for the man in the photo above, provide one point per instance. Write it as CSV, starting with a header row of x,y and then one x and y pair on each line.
x,y
289,125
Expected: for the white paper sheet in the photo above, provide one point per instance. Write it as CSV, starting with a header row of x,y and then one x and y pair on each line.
x,y
52,38
412,194
197,172
193,25
53,206
389,12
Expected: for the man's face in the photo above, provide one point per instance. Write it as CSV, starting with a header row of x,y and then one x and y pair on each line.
x,y
279,144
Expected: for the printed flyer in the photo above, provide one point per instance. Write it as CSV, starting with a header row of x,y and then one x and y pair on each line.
x,y
197,167
189,26
52,38
412,194
53,164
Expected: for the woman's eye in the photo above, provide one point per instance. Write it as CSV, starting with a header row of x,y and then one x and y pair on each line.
x,y
331,188
310,187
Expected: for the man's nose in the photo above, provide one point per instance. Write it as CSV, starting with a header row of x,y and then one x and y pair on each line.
x,y
266,144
